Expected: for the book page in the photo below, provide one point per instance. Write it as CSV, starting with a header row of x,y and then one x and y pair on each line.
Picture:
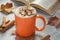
x,y
44,3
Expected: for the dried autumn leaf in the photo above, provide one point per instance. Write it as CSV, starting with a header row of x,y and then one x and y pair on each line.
x,y
7,8
0,7
57,24
8,5
54,21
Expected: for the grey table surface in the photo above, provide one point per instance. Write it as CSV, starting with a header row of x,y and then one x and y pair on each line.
x,y
51,30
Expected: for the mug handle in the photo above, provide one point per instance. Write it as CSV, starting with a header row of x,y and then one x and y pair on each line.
x,y
43,20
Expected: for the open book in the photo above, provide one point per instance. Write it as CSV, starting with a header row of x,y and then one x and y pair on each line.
x,y
48,6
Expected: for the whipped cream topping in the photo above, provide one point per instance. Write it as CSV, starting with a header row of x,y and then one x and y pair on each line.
x,y
20,11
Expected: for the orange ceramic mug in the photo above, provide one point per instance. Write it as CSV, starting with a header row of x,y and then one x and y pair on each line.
x,y
26,26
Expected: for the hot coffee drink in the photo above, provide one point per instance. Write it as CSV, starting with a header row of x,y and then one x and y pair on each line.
x,y
25,11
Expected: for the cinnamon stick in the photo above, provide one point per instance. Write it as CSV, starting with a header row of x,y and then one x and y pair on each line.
x,y
8,25
46,37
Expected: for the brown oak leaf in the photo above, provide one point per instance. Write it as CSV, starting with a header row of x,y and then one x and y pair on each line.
x,y
54,21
